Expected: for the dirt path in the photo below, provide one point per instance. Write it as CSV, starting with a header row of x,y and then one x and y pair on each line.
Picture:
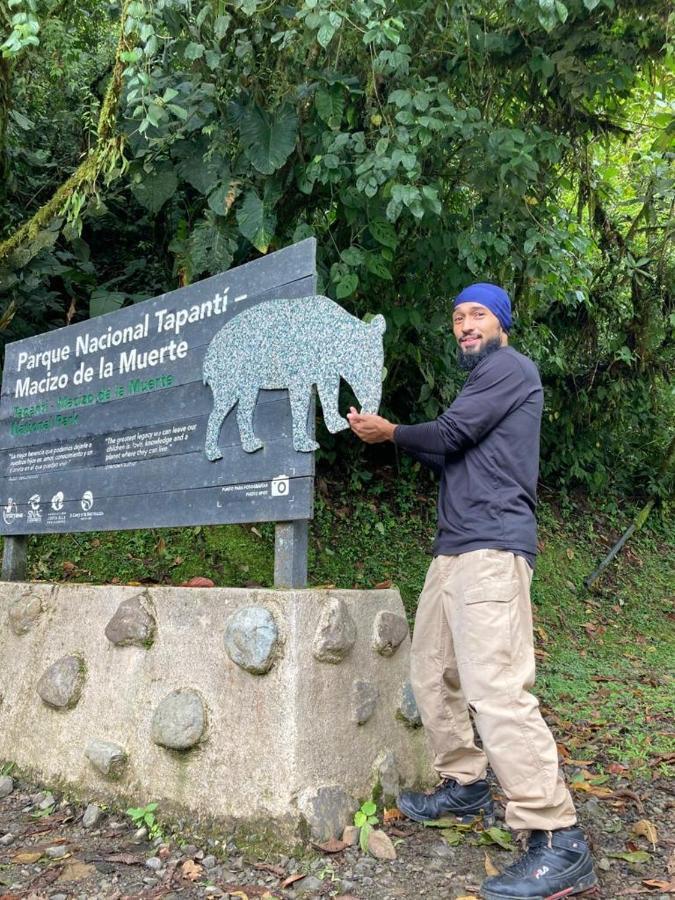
x,y
46,852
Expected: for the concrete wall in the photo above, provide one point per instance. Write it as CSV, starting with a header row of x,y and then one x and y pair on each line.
x,y
282,745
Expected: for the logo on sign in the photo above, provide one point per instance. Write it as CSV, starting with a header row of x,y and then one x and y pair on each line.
x,y
34,511
57,501
87,501
279,486
10,512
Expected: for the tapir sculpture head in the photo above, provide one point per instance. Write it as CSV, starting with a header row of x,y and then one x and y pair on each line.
x,y
364,364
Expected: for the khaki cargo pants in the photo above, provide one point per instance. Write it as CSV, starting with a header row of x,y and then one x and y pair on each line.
x,y
472,649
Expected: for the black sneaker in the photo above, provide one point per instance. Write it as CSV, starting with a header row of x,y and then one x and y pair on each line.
x,y
450,798
556,864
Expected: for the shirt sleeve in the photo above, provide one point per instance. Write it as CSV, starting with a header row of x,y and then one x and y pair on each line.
x,y
433,461
493,390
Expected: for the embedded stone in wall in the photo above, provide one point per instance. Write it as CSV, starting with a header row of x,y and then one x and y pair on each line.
x,y
364,698
389,632
24,613
61,684
327,810
336,632
133,623
6,786
179,721
408,710
387,776
109,758
251,639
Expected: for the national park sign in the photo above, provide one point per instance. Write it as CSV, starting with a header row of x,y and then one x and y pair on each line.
x,y
103,424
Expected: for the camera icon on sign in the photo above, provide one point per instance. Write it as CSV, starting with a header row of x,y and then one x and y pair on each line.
x,y
279,486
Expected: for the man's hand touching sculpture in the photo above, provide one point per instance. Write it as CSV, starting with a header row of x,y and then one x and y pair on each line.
x,y
370,428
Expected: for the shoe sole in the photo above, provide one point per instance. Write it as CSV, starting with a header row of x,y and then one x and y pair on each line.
x,y
585,883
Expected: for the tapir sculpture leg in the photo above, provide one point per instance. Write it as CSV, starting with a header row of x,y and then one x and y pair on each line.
x,y
329,389
220,409
300,395
245,410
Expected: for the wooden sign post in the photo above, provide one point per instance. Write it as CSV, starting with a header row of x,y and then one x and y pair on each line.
x,y
103,424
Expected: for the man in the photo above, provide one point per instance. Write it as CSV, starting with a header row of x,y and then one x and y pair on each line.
x,y
472,646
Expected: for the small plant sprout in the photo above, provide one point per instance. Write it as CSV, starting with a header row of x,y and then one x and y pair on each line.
x,y
364,819
144,816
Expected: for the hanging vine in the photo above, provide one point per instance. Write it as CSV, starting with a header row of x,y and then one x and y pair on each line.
x,y
106,160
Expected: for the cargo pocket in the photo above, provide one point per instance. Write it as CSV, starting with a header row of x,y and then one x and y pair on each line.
x,y
487,612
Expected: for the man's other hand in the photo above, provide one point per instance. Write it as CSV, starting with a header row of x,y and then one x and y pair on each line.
x,y
370,428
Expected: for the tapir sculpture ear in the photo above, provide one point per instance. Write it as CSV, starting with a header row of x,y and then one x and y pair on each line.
x,y
379,324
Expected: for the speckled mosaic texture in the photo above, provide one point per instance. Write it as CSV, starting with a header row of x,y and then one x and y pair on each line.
x,y
292,344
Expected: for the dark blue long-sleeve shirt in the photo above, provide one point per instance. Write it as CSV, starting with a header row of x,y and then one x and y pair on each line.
x,y
486,449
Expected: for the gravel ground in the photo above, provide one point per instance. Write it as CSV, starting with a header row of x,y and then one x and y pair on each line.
x,y
47,852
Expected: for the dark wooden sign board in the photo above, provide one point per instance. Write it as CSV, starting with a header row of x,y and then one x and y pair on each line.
x,y
103,423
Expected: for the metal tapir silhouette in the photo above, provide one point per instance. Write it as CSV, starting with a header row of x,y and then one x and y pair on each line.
x,y
292,344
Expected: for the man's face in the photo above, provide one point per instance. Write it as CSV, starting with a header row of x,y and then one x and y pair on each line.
x,y
476,328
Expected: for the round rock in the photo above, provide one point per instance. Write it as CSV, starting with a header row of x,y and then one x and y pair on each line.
x,y
327,810
109,758
61,684
407,710
6,786
251,639
179,721
24,613
389,632
364,700
133,623
336,633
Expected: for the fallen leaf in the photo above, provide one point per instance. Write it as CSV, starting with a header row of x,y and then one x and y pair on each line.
x,y
392,815
645,828
192,870
382,585
76,870
497,836
398,833
596,791
636,856
69,566
291,880
127,859
267,867
443,822
490,867
670,865
666,887
26,857
332,845
581,763
452,837
198,581
616,768
255,531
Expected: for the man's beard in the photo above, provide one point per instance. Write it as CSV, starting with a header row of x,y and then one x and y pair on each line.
x,y
469,361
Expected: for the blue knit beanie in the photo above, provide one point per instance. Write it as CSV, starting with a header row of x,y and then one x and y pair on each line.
x,y
494,298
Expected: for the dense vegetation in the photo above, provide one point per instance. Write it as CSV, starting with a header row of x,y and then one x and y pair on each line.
x,y
425,143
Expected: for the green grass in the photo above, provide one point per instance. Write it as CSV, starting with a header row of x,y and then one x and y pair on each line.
x,y
605,656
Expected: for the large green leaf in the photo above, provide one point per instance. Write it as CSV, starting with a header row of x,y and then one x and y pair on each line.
x,y
156,188
211,247
256,221
268,139
330,104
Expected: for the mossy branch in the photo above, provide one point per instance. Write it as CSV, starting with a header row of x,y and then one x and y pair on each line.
x,y
109,147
